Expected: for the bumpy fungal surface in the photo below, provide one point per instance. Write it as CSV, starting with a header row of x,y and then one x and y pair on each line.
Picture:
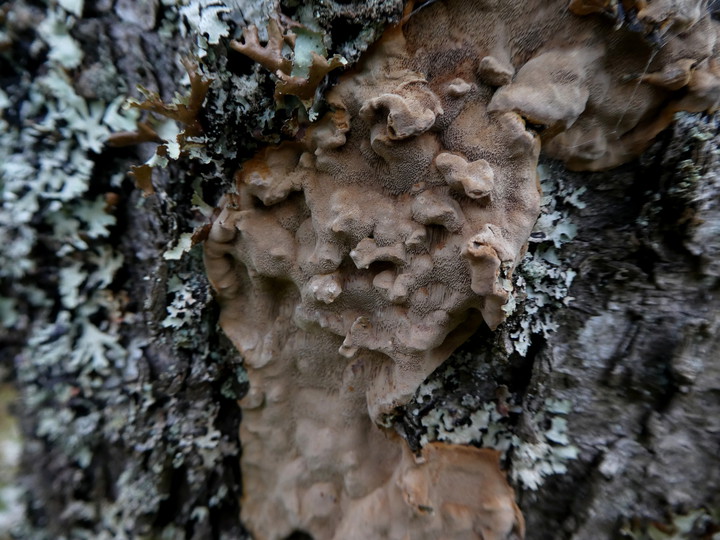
x,y
351,262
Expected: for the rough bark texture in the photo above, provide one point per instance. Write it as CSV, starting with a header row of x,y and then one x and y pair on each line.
x,y
128,391
636,352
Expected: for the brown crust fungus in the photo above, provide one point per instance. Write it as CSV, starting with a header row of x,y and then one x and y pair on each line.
x,y
350,263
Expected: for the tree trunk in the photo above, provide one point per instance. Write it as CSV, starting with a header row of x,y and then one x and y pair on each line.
x,y
602,388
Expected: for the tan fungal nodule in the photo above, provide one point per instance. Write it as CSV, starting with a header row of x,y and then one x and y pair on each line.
x,y
351,263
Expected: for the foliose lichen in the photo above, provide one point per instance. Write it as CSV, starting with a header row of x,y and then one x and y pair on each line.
x,y
544,276
464,416
84,367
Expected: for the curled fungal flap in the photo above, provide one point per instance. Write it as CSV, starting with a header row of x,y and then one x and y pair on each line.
x,y
550,89
465,485
474,179
402,117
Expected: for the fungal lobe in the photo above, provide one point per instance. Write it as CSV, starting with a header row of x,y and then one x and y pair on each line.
x,y
351,263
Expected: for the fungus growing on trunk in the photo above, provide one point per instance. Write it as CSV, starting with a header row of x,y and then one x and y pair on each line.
x,y
351,263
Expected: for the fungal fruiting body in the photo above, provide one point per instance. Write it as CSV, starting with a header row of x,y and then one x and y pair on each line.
x,y
349,264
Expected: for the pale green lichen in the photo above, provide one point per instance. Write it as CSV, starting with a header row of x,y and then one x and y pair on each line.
x,y
75,7
548,450
206,22
75,358
187,295
543,277
55,31
543,449
483,427
41,178
183,245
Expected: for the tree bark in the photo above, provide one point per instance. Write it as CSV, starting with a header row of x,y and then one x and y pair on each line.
x,y
607,374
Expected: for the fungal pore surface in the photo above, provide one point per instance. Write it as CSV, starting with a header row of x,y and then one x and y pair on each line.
x,y
351,262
